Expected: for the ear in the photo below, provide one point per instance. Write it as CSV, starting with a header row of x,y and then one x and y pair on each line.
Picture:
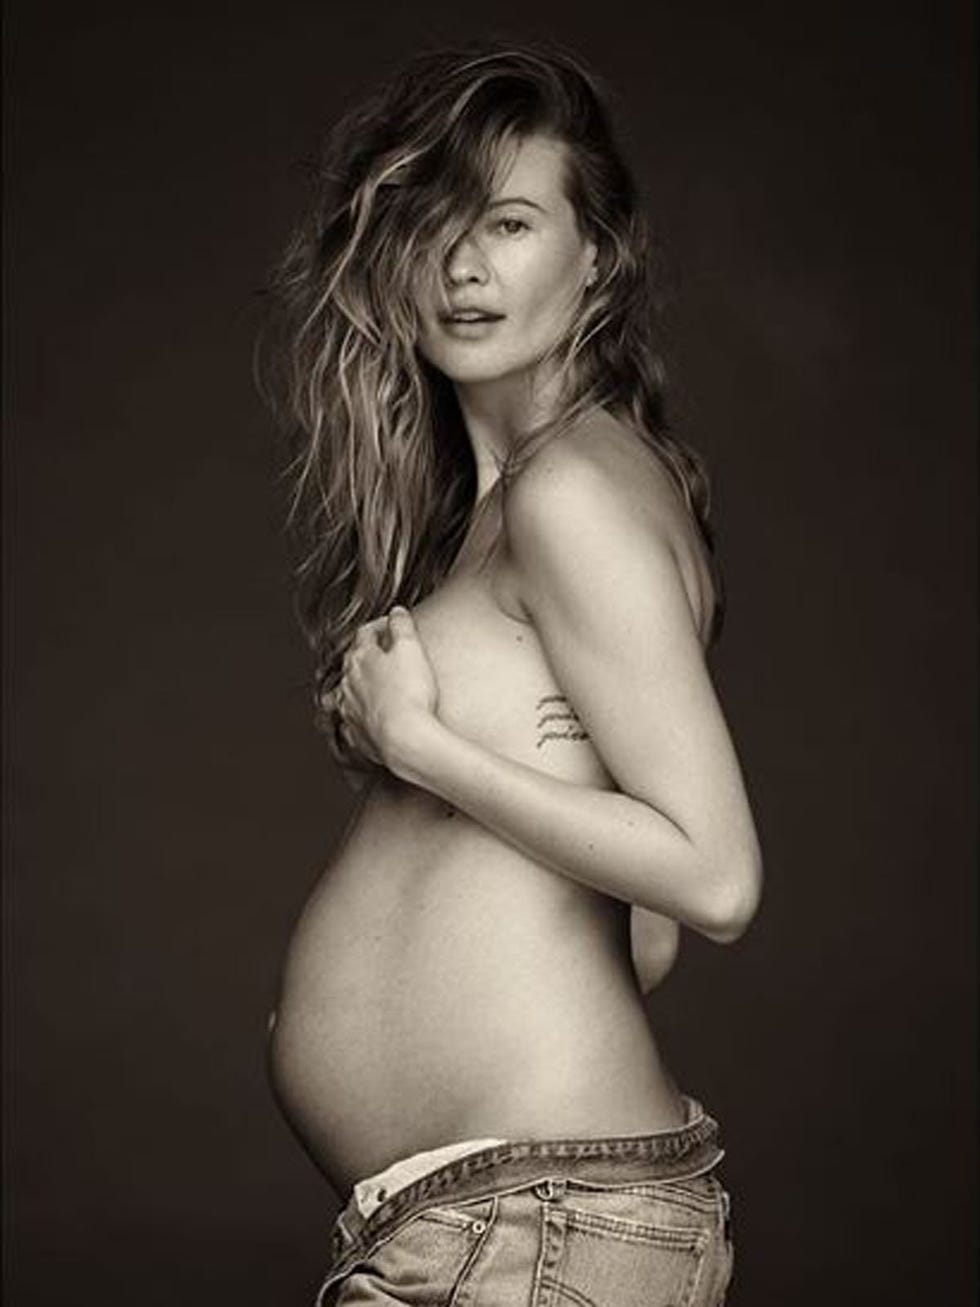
x,y
591,257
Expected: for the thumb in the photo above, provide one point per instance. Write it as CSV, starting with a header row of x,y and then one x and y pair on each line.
x,y
401,622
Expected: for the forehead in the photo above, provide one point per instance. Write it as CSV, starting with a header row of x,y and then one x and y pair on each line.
x,y
535,169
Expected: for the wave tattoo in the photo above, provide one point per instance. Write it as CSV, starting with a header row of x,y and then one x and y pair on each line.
x,y
557,720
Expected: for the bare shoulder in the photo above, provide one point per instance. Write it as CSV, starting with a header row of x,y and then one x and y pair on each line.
x,y
602,479
600,456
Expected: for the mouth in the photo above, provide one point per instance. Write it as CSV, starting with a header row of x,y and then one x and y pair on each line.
x,y
470,315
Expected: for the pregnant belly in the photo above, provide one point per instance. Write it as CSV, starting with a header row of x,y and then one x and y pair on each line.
x,y
440,986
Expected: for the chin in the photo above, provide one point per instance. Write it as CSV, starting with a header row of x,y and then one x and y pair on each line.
x,y
474,374
470,370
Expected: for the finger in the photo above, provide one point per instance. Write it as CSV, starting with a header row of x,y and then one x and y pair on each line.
x,y
401,624
349,734
335,736
368,631
355,652
347,711
349,699
355,740
353,680
352,701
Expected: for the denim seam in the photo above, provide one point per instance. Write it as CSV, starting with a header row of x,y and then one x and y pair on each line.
x,y
551,1245
431,1193
445,1216
460,1293
699,1270
689,1202
611,1149
685,1238
371,1245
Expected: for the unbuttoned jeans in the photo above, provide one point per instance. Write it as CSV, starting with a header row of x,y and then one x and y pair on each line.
x,y
624,1221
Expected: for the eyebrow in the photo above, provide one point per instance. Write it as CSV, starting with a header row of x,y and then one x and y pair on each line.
x,y
515,199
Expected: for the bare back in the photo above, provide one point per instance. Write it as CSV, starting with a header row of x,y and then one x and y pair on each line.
x,y
441,984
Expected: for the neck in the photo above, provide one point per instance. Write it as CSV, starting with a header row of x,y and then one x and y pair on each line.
x,y
497,413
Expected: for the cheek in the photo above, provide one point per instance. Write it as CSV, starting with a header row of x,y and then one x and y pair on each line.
x,y
549,289
423,344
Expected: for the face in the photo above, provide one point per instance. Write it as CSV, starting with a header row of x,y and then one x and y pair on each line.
x,y
524,263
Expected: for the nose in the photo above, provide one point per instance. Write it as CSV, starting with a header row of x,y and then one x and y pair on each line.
x,y
465,263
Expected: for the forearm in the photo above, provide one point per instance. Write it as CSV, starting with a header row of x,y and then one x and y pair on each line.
x,y
616,844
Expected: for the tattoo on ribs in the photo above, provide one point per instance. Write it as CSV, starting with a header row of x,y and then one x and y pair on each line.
x,y
557,720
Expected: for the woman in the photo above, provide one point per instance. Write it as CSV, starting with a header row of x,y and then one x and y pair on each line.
x,y
509,588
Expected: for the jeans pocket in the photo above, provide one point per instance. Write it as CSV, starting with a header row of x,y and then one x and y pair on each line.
x,y
600,1262
649,1245
696,1204
424,1260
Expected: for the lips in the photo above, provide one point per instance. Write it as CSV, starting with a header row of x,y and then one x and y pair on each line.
x,y
471,315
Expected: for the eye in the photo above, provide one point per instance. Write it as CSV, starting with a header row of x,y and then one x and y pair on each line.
x,y
512,226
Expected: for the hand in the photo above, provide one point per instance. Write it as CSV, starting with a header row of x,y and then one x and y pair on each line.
x,y
387,687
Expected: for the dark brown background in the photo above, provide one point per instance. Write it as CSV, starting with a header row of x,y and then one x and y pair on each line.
x,y
168,803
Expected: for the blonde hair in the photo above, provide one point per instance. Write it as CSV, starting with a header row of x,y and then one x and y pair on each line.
x,y
383,480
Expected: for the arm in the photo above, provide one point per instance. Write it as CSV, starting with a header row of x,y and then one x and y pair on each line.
x,y
654,945
609,841
603,589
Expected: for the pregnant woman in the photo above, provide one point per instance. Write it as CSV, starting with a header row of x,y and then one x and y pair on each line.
x,y
509,588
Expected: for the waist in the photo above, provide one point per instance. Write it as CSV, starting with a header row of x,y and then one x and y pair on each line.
x,y
474,1169
457,962
410,898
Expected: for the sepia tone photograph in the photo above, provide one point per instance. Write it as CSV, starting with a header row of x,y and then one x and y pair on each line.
x,y
490,655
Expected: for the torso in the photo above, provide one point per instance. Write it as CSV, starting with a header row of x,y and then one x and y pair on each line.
x,y
440,984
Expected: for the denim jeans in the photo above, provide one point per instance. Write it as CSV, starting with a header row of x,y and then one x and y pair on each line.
x,y
624,1221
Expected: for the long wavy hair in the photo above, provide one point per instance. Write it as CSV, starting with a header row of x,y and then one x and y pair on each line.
x,y
383,480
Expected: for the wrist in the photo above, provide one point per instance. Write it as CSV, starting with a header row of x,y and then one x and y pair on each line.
x,y
407,743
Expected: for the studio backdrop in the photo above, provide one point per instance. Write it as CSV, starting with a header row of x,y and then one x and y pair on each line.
x,y
168,804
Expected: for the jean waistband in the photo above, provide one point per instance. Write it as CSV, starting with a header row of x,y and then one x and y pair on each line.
x,y
370,1193
678,1153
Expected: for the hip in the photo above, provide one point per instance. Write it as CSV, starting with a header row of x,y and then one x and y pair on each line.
x,y
624,1220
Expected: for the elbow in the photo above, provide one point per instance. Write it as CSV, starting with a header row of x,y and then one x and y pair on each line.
x,y
732,899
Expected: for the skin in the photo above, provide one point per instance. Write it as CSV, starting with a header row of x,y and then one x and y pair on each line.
x,y
527,259
554,779
678,839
